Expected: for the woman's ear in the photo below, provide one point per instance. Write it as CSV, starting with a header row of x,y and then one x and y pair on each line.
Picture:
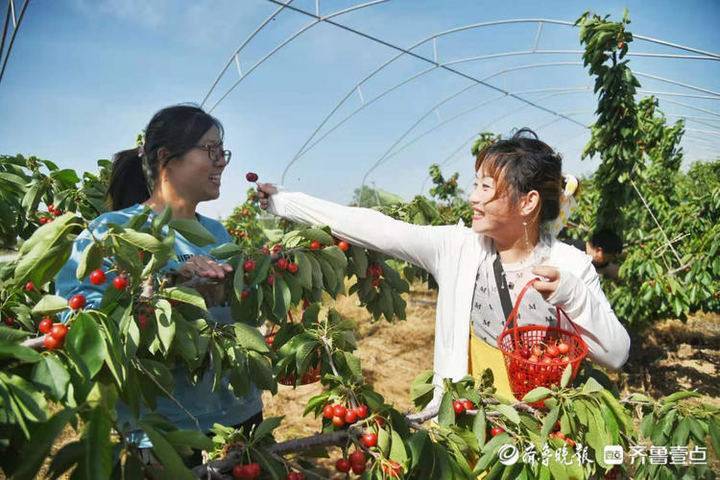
x,y
529,203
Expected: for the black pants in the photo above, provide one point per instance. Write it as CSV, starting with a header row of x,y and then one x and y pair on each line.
x,y
196,458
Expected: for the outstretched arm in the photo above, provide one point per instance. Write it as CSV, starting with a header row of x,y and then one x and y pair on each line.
x,y
417,244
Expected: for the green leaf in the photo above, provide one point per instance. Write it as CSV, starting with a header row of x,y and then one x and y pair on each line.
x,y
165,323
397,448
52,374
304,273
250,338
567,373
714,431
360,259
144,241
592,386
549,421
90,260
317,234
446,415
50,305
193,231
384,441
262,372
166,454
41,441
99,451
536,394
189,438
85,344
226,250
281,298
508,412
266,428
480,427
14,350
679,396
185,295
161,220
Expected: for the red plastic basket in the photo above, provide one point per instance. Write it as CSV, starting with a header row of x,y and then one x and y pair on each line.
x,y
515,342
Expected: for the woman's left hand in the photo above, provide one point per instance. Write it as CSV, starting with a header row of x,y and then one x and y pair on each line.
x,y
549,286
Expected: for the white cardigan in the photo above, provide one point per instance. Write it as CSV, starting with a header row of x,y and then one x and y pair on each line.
x,y
452,254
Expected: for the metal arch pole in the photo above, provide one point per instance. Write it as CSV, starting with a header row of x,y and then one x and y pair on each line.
x,y
560,91
678,46
674,94
447,99
240,49
446,161
692,118
691,107
673,82
407,51
12,38
290,39
6,23
697,130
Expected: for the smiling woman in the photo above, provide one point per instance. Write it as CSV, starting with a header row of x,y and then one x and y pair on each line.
x,y
179,165
481,270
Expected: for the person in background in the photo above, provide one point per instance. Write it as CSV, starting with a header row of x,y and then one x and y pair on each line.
x,y
605,247
179,165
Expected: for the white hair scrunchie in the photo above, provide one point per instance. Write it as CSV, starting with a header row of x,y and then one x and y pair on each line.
x,y
568,203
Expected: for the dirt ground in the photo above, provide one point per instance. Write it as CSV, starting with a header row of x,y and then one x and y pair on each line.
x,y
671,356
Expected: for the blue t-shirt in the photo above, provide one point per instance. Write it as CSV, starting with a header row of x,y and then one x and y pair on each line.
x,y
208,407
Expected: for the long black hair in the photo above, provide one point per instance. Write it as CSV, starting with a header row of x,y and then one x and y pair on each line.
x,y
177,128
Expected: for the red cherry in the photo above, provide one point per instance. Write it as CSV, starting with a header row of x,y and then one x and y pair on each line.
x,y
56,212
282,264
537,351
357,457
45,325
245,293
239,471
338,422
469,405
295,476
547,361
358,468
249,265
51,343
339,411
29,286
43,220
495,431
277,248
376,282
97,277
253,470
344,246
369,440
350,417
58,331
251,177
533,359
342,465
328,411
552,351
292,267
269,340
525,352
570,441
315,245
271,280
362,410
51,207
563,348
77,302
9,321
458,407
120,282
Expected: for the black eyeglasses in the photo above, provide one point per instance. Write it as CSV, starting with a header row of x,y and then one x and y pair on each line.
x,y
215,152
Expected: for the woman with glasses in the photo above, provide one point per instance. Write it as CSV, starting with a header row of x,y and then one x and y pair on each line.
x,y
179,165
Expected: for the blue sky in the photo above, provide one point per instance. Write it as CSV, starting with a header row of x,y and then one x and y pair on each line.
x,y
86,75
